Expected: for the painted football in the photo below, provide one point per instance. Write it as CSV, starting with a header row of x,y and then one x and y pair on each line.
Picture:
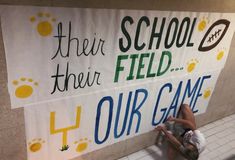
x,y
214,35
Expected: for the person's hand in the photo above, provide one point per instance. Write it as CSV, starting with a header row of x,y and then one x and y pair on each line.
x,y
159,128
171,118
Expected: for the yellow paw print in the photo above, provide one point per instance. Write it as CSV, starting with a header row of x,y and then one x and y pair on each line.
x,y
82,145
202,24
35,145
24,90
207,93
191,65
220,55
44,27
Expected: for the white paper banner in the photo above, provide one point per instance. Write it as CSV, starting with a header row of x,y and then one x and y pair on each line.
x,y
53,53
64,129
91,77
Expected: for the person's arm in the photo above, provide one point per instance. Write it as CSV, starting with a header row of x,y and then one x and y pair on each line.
x,y
184,122
175,142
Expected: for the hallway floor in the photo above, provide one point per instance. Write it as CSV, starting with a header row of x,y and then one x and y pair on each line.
x,y
220,136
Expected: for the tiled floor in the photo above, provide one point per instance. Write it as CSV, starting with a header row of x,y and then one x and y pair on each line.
x,y
220,136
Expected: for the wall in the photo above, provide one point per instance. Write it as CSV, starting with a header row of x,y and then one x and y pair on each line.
x,y
12,129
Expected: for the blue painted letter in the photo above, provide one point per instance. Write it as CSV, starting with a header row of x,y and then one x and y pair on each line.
x,y
97,123
135,111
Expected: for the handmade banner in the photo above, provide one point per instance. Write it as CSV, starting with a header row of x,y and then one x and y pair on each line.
x,y
68,128
55,53
91,77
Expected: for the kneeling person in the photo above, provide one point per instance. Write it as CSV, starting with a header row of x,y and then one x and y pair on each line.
x,y
191,142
